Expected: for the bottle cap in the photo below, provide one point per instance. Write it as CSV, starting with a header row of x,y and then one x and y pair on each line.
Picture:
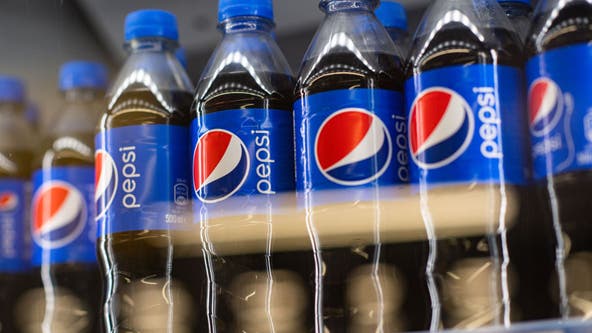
x,y
12,89
392,15
151,23
82,74
233,8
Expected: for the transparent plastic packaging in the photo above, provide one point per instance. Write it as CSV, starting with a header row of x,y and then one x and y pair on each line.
x,y
143,183
558,53
16,146
243,175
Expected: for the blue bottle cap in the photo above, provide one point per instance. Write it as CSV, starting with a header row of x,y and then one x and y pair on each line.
x,y
151,23
181,56
12,89
526,2
234,8
82,74
392,15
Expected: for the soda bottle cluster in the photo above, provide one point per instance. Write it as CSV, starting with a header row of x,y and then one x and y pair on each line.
x,y
394,184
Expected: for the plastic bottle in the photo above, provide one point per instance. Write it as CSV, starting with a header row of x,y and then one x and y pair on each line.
x,y
142,180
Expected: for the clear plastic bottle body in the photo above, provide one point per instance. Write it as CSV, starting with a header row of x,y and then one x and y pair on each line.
x,y
68,284
147,112
466,50
16,146
353,69
246,92
558,53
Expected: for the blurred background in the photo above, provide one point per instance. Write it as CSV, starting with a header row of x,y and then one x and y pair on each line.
x,y
39,35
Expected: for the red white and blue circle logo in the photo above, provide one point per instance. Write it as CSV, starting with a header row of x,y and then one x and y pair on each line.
x,y
59,214
220,165
441,127
8,201
105,182
353,147
545,104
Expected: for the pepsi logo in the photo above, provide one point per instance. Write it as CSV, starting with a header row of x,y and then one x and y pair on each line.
x,y
59,214
441,127
220,165
353,147
8,201
105,182
545,104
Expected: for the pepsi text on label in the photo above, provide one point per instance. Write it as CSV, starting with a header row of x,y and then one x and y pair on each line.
x,y
241,153
560,110
142,184
467,130
350,139
130,174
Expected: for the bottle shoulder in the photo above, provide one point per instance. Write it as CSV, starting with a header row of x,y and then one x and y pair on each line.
x,y
460,46
349,50
247,70
66,149
567,25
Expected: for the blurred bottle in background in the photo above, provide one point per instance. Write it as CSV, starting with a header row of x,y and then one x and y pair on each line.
x,y
63,210
394,18
468,131
520,14
16,145
243,149
142,179
559,60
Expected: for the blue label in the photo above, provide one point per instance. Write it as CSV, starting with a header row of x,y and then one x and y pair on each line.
x,y
142,178
239,154
350,139
13,231
63,216
467,124
560,110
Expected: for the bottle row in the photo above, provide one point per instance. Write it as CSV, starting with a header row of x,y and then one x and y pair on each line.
x,y
465,154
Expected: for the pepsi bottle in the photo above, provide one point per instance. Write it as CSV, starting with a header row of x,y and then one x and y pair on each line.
x,y
63,216
15,154
394,18
242,139
520,14
142,180
348,114
467,132
559,59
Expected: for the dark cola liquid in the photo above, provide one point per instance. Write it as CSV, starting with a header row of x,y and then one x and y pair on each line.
x,y
348,273
568,198
232,91
144,263
13,285
243,91
529,241
79,279
346,71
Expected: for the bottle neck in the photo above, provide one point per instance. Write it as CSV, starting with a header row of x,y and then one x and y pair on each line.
x,y
83,95
334,6
242,24
152,44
